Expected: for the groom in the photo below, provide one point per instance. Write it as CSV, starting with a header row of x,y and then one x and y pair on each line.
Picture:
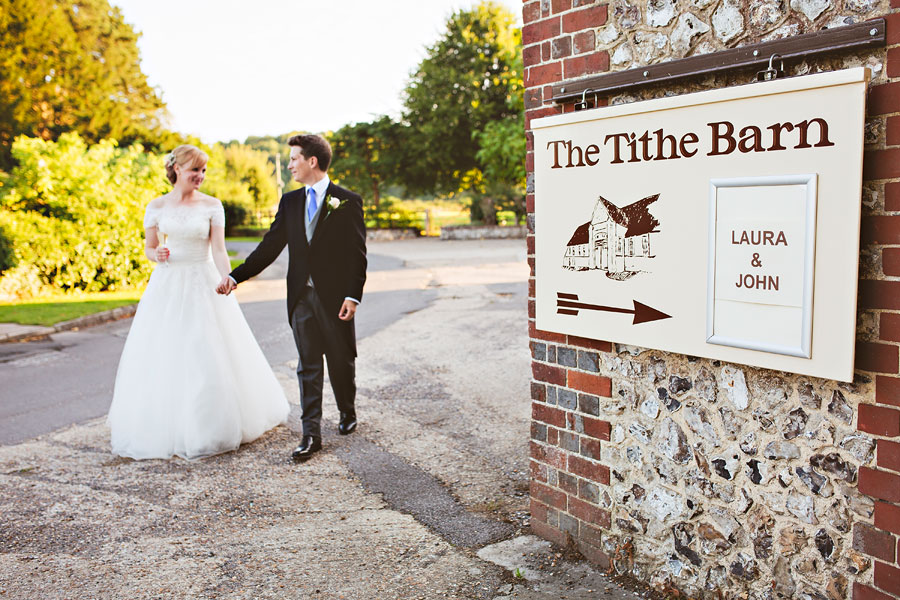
x,y
323,227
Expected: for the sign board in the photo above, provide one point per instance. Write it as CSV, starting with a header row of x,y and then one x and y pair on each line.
x,y
722,224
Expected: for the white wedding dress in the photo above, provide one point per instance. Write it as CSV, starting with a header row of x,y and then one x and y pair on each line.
x,y
192,381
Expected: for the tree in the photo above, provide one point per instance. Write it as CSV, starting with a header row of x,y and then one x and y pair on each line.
x,y
501,152
252,168
73,65
366,156
468,79
276,146
221,182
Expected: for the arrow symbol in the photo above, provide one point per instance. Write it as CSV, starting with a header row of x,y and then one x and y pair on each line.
x,y
568,304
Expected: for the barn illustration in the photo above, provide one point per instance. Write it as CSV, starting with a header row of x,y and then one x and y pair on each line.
x,y
615,240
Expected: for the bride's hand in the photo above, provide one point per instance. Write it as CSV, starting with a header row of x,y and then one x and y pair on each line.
x,y
162,254
226,286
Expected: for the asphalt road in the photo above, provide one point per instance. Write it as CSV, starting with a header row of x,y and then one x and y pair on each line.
x,y
47,385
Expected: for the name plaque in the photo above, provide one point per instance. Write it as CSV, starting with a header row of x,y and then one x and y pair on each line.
x,y
761,263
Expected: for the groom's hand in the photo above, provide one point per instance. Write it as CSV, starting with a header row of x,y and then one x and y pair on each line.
x,y
348,309
226,286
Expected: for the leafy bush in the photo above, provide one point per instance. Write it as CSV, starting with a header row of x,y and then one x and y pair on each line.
x,y
6,251
391,214
236,175
73,215
236,215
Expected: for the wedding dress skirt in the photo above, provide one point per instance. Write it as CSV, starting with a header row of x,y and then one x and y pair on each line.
x,y
192,381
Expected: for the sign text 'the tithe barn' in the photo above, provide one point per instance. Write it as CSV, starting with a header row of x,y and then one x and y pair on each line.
x,y
721,138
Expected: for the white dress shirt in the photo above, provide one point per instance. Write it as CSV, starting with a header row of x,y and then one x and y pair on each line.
x,y
321,188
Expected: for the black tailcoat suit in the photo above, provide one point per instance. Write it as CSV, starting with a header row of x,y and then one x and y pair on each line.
x,y
335,259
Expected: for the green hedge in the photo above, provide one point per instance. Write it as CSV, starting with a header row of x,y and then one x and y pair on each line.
x,y
71,216
390,214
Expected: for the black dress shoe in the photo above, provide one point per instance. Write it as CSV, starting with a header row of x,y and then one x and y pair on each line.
x,y
308,446
347,424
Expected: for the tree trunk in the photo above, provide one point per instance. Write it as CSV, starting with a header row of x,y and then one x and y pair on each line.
x,y
489,211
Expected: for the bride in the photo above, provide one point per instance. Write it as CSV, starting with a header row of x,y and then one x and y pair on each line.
x,y
192,381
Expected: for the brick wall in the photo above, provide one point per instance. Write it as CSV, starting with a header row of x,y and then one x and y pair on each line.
x,y
824,525
877,352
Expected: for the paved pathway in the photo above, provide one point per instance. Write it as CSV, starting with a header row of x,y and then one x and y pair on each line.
x,y
428,499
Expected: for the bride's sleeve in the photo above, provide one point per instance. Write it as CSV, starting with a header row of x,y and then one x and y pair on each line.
x,y
151,217
218,216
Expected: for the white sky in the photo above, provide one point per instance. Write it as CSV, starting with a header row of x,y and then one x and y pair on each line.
x,y
232,68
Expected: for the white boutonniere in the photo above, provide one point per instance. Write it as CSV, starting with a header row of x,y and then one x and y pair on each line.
x,y
334,203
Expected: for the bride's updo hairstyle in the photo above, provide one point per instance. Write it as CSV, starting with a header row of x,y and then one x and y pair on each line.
x,y
184,156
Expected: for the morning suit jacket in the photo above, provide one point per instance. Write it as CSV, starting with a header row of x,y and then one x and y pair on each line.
x,y
335,258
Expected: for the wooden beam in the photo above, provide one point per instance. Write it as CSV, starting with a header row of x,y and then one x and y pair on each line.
x,y
868,34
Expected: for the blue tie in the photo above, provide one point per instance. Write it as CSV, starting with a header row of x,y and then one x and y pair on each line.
x,y
311,206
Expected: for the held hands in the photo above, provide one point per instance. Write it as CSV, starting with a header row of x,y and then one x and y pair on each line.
x,y
348,309
226,286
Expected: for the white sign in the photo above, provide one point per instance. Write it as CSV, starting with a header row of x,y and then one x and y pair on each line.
x,y
722,224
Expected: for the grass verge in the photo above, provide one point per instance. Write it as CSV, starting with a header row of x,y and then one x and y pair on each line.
x,y
55,309
244,239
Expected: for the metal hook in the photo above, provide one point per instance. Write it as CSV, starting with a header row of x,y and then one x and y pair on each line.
x,y
583,103
771,72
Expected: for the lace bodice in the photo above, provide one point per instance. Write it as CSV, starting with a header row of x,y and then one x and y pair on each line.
x,y
187,227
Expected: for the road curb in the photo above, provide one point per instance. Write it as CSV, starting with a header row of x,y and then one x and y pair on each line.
x,y
36,333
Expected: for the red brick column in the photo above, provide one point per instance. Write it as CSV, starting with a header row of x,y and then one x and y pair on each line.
x,y
880,294
568,498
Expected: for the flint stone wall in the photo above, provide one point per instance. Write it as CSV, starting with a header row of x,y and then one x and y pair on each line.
x,y
714,479
483,232
387,235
